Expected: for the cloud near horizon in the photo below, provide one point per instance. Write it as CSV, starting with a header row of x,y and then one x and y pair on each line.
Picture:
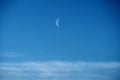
x,y
60,70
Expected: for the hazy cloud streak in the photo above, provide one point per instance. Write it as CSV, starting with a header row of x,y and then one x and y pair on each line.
x,y
10,55
59,70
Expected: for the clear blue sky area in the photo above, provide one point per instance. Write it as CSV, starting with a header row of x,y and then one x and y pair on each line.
x,y
89,30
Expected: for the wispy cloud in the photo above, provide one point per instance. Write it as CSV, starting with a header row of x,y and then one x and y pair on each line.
x,y
60,70
10,55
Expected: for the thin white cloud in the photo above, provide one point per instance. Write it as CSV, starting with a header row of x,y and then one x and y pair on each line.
x,y
10,55
60,70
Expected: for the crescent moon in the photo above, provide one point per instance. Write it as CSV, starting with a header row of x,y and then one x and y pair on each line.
x,y
57,22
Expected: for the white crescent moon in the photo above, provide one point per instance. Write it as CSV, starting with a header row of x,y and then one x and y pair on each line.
x,y
57,22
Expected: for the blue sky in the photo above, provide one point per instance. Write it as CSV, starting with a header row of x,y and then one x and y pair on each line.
x,y
84,47
89,30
